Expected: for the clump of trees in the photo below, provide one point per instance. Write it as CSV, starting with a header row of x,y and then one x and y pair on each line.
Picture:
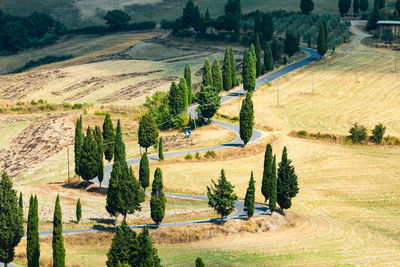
x,y
359,133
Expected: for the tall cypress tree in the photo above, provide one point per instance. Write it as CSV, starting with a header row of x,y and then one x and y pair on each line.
x,y
257,22
267,173
273,193
233,67
217,76
199,262
250,197
32,234
188,78
114,198
207,76
108,137
89,163
249,70
147,255
100,163
119,146
364,5
161,149
144,172
78,210
148,131
226,71
287,186
269,66
58,239
78,144
157,202
131,192
344,6
221,196
21,203
183,91
356,5
267,30
257,47
306,6
246,119
174,100
321,41
11,220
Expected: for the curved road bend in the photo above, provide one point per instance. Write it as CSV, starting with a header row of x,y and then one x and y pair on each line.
x,y
239,205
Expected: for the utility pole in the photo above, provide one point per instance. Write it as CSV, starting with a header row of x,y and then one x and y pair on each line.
x,y
68,163
277,95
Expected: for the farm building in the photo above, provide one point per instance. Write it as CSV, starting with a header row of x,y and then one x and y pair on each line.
x,y
389,24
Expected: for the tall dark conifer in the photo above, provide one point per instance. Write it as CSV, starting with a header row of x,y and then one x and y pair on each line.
x,y
108,138
257,47
217,76
32,233
268,63
233,67
100,150
273,193
207,76
267,30
161,149
21,203
78,144
158,200
188,78
267,174
148,130
89,162
249,71
144,171
246,119
119,147
58,239
226,71
287,185
250,197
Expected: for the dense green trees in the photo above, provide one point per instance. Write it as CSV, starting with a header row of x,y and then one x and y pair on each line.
x,y
276,49
379,4
344,6
78,144
11,220
158,200
161,149
117,20
250,197
188,78
89,161
233,66
209,102
356,5
273,189
32,234
144,171
148,131
267,30
291,44
183,92
129,249
249,70
378,133
246,119
322,41
108,137
257,47
267,174
217,76
306,6
226,71
58,239
268,64
78,210
287,185
199,262
98,137
207,79
364,5
21,203
221,196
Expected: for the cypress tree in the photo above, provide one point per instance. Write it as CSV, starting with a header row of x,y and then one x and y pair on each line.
x,y
100,167
78,210
21,203
175,101
306,6
144,172
58,239
233,66
273,193
188,79
207,76
217,76
89,163
291,44
221,196
356,5
344,6
269,66
11,220
160,149
257,22
287,186
199,262
157,202
250,197
119,146
132,194
257,47
114,198
147,255
78,144
209,102
246,119
226,71
183,91
249,71
268,27
108,137
32,234
267,173
148,131
321,42
276,49
364,5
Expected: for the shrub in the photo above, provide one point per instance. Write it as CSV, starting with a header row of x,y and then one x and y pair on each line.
x,y
210,154
66,105
358,133
302,133
378,133
78,106
188,156
41,101
42,107
85,112
33,102
197,156
387,35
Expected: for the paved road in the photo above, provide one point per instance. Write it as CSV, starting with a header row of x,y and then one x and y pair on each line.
x,y
360,34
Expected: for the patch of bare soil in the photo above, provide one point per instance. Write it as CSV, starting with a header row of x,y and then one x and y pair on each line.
x,y
19,86
96,83
136,90
8,119
176,141
36,143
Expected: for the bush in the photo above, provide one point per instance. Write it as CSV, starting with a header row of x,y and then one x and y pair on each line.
x,y
33,102
378,133
358,133
77,106
41,101
210,154
387,35
197,156
302,133
188,156
66,105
